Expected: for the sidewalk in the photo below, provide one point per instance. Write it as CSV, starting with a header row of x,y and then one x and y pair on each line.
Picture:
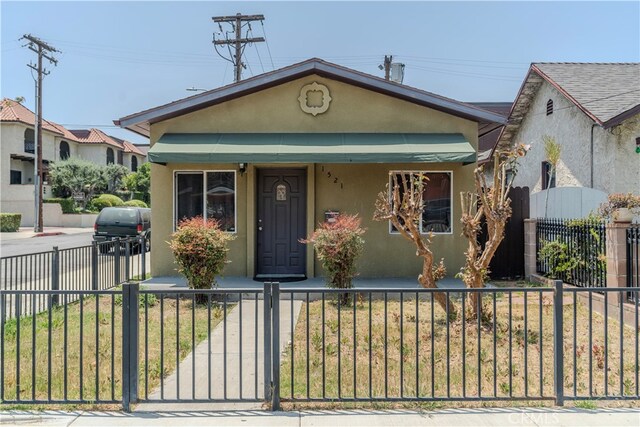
x,y
445,417
27,232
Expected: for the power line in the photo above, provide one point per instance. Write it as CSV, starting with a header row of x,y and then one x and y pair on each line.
x,y
257,51
267,40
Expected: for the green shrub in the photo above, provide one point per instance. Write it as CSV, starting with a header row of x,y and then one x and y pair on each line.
x,y
105,201
10,222
200,249
561,261
338,245
68,205
136,203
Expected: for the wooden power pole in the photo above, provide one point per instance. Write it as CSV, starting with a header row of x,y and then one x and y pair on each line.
x,y
43,50
237,22
387,66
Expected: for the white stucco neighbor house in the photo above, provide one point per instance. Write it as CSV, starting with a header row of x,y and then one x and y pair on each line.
x,y
593,111
17,155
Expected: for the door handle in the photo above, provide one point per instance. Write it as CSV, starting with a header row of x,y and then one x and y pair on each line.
x,y
259,228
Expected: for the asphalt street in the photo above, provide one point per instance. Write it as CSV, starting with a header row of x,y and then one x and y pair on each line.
x,y
9,247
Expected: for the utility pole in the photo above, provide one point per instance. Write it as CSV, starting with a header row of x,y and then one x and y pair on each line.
x,y
237,22
387,66
44,50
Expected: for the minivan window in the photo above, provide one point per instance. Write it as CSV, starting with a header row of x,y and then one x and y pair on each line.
x,y
122,216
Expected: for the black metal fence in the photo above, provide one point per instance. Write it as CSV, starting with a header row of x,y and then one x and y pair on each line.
x,y
572,250
97,266
135,345
633,259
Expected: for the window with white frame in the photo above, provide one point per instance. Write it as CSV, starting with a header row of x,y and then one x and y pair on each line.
x,y
437,199
210,194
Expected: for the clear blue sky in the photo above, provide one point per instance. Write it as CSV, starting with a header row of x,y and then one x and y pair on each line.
x,y
121,57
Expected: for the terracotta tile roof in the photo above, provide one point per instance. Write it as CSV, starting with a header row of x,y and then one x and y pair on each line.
x,y
12,111
94,136
128,147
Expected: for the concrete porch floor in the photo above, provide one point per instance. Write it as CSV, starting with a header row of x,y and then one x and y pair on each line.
x,y
168,282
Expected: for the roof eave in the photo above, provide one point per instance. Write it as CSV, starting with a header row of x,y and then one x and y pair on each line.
x,y
614,121
140,122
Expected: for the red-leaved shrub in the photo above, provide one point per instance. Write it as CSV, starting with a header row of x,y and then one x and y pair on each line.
x,y
200,248
338,245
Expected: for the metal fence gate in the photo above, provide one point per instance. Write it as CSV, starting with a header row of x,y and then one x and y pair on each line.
x,y
161,346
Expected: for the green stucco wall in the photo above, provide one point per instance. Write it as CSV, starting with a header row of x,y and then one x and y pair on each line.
x,y
352,110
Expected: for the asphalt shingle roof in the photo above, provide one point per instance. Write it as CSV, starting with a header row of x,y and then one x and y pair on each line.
x,y
604,89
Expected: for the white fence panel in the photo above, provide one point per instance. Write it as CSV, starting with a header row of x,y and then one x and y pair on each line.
x,y
566,202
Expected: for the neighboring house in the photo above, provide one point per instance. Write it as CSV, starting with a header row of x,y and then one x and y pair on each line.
x,y
593,111
17,154
272,156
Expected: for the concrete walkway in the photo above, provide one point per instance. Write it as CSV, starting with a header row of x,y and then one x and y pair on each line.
x,y
447,417
251,361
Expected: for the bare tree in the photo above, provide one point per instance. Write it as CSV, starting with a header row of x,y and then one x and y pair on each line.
x,y
489,203
403,204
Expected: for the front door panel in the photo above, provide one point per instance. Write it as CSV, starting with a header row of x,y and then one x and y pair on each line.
x,y
281,222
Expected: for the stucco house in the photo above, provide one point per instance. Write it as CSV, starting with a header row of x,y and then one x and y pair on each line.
x,y
593,111
272,156
17,154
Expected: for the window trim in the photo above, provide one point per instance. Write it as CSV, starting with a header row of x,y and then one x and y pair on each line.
x,y
204,198
450,172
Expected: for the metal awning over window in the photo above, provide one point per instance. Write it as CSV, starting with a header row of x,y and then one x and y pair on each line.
x,y
312,147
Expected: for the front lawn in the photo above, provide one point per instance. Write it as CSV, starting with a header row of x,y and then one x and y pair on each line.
x,y
101,317
428,360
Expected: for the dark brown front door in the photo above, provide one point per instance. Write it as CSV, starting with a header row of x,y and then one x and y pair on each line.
x,y
281,224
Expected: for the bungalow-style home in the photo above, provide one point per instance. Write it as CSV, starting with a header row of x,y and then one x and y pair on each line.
x,y
272,156
592,110
17,155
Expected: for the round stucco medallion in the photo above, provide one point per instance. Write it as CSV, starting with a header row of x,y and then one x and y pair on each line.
x,y
304,99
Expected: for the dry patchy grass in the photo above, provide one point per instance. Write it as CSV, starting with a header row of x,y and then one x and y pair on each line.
x,y
433,369
86,374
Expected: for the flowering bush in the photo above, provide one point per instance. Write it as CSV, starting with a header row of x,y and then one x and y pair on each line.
x,y
200,249
619,200
338,245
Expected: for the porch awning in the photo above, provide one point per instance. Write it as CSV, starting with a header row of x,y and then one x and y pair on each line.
x,y
312,147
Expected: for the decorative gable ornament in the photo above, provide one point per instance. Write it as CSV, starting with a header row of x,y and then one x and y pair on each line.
x,y
304,99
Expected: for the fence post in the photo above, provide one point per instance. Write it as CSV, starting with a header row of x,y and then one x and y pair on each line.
x,y
127,260
55,274
267,340
275,345
558,345
530,247
116,262
616,253
143,257
130,319
94,265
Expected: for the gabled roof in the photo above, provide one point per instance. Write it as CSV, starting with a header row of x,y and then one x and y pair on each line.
x,y
140,122
608,93
12,111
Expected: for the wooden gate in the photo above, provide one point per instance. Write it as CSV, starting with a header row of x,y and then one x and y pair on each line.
x,y
508,262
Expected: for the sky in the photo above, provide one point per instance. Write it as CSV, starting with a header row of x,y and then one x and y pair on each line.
x,y
122,57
